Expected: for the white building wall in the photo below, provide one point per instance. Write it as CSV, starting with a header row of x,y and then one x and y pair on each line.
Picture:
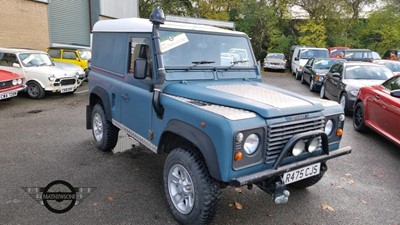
x,y
119,8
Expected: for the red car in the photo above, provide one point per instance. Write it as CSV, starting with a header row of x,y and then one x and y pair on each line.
x,y
10,84
378,107
335,51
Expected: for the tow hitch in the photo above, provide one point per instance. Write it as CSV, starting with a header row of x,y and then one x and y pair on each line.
x,y
275,188
281,195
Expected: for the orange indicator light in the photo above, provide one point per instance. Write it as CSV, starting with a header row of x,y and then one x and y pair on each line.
x,y
203,124
238,156
339,132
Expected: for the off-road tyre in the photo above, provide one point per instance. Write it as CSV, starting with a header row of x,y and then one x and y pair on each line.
x,y
105,134
206,190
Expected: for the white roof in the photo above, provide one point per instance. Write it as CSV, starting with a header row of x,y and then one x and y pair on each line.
x,y
145,26
18,50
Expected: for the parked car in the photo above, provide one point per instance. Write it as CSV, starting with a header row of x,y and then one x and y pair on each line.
x,y
344,79
39,71
334,52
387,53
302,54
392,65
10,84
378,107
376,56
364,55
275,61
76,55
315,69
77,70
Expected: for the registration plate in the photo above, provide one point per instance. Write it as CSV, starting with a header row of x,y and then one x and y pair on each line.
x,y
69,89
8,94
302,173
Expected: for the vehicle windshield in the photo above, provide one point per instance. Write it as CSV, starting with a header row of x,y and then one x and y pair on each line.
x,y
313,53
275,56
35,59
192,50
85,54
367,72
358,55
324,64
393,66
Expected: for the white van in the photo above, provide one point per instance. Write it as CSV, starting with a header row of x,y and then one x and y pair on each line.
x,y
301,56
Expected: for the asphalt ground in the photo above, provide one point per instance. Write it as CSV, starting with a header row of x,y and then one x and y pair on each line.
x,y
46,140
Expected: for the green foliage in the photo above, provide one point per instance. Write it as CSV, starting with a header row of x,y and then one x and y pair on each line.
x,y
312,33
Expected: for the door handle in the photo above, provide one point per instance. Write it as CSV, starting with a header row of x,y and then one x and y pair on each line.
x,y
125,96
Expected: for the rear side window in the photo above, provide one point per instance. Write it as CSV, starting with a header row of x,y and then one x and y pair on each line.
x,y
69,55
7,59
55,53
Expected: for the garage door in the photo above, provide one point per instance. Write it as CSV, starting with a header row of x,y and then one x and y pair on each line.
x,y
69,22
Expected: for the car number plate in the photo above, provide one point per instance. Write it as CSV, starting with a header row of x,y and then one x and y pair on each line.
x,y
8,94
69,89
302,173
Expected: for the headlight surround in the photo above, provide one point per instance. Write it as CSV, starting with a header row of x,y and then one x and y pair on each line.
x,y
52,77
251,144
328,127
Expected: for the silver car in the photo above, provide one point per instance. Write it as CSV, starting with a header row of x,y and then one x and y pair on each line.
x,y
275,61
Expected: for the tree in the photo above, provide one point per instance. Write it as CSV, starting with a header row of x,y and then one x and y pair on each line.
x,y
312,33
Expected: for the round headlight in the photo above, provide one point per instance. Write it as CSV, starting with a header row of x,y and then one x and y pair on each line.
x,y
313,145
251,144
19,81
14,82
52,77
328,127
298,148
239,137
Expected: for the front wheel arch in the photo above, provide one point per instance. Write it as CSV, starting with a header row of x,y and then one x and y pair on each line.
x,y
185,134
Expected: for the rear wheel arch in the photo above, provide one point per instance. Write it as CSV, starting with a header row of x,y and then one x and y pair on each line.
x,y
184,134
98,96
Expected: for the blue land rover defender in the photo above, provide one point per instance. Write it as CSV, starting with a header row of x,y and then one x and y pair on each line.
x,y
195,92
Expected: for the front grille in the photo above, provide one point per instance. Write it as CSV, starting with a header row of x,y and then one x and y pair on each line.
x,y
67,81
279,134
5,84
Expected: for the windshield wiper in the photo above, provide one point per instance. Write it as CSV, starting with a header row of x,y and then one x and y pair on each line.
x,y
237,62
202,62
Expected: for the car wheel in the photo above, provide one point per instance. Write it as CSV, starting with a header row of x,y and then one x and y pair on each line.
x,y
34,90
343,103
308,182
322,92
312,85
359,117
105,134
192,194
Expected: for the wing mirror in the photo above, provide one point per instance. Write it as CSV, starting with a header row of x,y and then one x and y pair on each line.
x,y
336,75
140,68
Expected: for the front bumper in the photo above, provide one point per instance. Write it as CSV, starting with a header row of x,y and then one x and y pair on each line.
x,y
275,67
263,175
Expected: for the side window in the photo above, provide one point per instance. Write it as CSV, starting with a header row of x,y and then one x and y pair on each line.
x,y
54,53
334,68
69,55
139,48
392,84
340,69
7,59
